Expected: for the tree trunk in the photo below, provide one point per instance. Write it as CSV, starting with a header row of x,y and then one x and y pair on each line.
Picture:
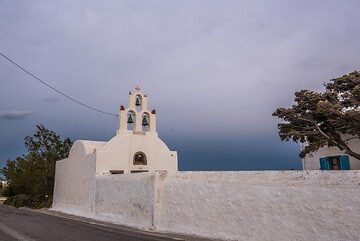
x,y
347,149
353,154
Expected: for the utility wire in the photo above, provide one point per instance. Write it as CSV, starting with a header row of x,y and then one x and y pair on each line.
x,y
54,89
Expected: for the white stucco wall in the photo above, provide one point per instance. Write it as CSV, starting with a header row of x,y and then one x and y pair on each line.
x,y
262,205
75,179
312,161
268,205
126,199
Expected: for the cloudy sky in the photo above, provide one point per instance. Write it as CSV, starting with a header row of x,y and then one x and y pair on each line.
x,y
214,70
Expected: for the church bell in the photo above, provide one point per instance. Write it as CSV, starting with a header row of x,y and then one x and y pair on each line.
x,y
137,103
130,120
145,121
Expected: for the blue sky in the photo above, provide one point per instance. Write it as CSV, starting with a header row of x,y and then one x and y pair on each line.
x,y
214,70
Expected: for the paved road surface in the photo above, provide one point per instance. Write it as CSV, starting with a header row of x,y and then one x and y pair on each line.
x,y
26,225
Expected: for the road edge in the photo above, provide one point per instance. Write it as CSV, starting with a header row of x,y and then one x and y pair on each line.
x,y
174,236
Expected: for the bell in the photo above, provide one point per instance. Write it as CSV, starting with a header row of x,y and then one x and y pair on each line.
x,y
137,103
130,120
145,121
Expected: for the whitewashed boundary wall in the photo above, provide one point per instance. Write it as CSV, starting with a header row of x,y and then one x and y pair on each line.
x,y
262,205
265,205
126,199
74,188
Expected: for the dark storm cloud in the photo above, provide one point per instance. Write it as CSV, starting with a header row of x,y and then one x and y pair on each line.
x,y
15,114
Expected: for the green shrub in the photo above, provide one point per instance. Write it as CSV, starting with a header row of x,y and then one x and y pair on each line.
x,y
23,200
19,200
31,177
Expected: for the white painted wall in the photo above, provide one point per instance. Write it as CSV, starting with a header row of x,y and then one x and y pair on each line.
x,y
268,205
126,199
75,179
262,205
312,161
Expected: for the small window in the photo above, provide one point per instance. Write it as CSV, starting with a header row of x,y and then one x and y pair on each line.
x,y
335,163
140,158
112,172
139,171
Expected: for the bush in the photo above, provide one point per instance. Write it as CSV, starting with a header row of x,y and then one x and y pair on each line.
x,y
20,200
23,200
31,177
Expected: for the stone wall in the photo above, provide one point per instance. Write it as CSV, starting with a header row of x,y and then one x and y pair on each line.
x,y
268,205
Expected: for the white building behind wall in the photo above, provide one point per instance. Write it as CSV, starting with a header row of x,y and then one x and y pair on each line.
x,y
332,158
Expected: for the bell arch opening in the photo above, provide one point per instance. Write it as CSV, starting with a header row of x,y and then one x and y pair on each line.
x,y
138,102
131,120
145,121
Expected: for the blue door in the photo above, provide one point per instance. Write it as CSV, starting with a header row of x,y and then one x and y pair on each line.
x,y
324,163
344,162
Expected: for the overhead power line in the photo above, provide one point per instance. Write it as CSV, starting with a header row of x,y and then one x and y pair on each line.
x,y
54,89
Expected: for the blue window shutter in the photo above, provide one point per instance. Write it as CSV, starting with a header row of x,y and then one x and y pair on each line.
x,y
344,162
324,164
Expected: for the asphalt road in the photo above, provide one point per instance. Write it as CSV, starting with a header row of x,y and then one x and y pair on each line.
x,y
26,225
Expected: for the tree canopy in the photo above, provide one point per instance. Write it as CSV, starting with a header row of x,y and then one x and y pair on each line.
x,y
330,118
31,177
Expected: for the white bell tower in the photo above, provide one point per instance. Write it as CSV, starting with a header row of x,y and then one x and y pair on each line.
x,y
136,117
136,146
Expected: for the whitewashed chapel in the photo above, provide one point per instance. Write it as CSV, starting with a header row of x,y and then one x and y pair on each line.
x,y
135,148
